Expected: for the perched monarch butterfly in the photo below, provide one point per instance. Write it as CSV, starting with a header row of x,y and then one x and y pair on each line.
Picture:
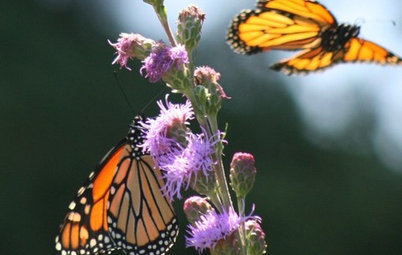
x,y
302,25
121,206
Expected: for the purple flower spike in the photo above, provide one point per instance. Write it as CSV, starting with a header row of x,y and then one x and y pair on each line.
x,y
162,59
182,164
157,143
211,228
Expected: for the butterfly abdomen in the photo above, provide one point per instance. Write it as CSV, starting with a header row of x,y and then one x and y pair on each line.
x,y
135,136
335,37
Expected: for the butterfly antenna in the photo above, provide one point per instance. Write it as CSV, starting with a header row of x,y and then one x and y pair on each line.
x,y
385,21
116,77
360,21
152,100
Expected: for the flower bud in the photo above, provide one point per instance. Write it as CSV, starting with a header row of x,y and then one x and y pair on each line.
x,y
255,237
189,27
242,173
208,90
177,130
177,79
204,183
130,46
206,74
228,246
194,207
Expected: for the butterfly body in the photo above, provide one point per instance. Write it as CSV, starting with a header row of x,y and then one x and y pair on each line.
x,y
335,38
302,25
121,206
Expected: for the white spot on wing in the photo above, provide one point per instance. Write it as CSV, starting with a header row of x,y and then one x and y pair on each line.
x,y
92,243
83,200
72,205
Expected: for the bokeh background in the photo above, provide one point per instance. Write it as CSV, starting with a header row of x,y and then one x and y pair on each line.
x,y
328,146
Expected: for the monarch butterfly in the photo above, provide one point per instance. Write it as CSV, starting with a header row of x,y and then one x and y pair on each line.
x,y
302,25
120,206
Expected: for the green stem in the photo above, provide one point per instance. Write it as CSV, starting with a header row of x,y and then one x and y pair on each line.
x,y
164,22
210,126
214,198
219,169
223,185
242,229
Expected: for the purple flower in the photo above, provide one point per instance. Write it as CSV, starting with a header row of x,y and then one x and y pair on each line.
x,y
126,46
157,142
205,75
181,165
162,59
211,228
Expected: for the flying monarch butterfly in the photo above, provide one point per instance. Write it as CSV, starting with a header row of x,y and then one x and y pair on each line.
x,y
302,25
121,206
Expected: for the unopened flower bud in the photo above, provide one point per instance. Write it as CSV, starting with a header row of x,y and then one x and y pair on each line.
x,y
130,46
204,184
194,207
208,90
177,130
189,27
228,246
255,237
242,173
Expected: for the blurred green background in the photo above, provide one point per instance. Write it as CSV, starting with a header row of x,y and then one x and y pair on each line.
x,y
61,110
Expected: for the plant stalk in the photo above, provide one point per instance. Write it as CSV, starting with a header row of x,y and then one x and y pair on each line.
x,y
164,22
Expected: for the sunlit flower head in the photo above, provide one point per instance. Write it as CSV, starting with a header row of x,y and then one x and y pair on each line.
x,y
157,142
181,165
162,59
130,46
211,228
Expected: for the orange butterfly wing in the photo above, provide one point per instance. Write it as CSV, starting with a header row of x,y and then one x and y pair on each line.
x,y
141,218
121,206
85,229
355,50
279,25
302,25
308,9
361,50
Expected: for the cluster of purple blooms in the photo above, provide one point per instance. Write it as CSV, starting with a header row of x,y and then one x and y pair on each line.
x,y
211,228
180,160
181,163
161,59
187,159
